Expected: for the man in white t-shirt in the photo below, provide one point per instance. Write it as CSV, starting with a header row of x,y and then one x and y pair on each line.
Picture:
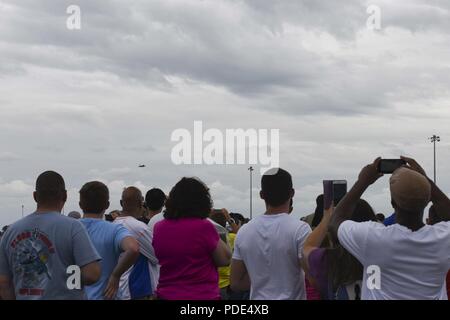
x,y
141,280
407,260
268,250
155,200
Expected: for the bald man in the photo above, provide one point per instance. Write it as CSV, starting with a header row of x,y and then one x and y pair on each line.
x,y
140,281
407,260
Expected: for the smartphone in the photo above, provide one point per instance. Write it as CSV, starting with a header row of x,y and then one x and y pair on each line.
x,y
333,192
390,165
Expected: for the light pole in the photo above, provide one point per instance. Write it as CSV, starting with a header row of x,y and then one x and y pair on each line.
x,y
434,139
251,187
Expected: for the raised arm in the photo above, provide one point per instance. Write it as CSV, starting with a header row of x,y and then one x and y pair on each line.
x,y
130,248
439,198
222,254
368,175
316,237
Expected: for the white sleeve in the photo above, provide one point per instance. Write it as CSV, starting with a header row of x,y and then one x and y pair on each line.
x,y
302,234
145,240
353,237
237,250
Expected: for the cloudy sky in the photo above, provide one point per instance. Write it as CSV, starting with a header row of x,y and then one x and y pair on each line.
x,y
95,103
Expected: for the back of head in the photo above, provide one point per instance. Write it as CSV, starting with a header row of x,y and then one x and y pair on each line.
x,y
94,197
188,198
74,215
410,191
363,212
344,268
50,188
276,187
238,217
155,199
132,199
318,213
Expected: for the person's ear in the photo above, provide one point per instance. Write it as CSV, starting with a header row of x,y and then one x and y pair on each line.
x,y
261,195
107,205
65,196
81,205
35,196
121,203
292,193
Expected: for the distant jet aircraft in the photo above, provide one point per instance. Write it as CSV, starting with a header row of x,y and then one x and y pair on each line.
x,y
142,166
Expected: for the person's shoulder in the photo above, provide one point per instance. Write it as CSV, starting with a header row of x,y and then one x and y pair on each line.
x,y
245,230
295,223
139,225
364,224
206,223
74,224
443,224
106,225
60,218
442,227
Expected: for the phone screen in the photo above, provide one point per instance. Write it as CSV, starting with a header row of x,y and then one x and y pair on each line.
x,y
390,165
339,190
333,192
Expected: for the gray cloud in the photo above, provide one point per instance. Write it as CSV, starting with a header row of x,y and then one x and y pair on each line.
x,y
96,103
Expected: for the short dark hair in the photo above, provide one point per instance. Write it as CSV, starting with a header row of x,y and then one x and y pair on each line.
x,y
50,188
276,187
318,212
94,197
188,198
155,199
239,217
363,212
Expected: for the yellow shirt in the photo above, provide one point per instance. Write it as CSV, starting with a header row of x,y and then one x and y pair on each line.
x,y
224,272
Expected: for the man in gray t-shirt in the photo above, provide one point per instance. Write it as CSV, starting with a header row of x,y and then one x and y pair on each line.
x,y
36,251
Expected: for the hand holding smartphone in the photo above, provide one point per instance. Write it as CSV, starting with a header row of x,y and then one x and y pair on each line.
x,y
333,192
388,166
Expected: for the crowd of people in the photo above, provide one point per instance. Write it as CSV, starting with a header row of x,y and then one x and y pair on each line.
x,y
179,247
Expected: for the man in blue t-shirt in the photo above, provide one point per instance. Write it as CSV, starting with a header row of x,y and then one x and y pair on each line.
x,y
115,244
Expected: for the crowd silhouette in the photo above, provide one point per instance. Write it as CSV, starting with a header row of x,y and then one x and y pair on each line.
x,y
179,247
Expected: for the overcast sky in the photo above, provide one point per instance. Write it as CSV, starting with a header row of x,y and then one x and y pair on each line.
x,y
95,103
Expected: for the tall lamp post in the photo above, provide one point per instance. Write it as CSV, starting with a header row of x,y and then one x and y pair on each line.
x,y
434,139
251,189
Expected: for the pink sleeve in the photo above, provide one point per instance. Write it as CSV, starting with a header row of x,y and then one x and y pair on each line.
x,y
210,236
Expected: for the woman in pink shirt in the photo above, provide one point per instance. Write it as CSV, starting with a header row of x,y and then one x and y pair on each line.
x,y
188,246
